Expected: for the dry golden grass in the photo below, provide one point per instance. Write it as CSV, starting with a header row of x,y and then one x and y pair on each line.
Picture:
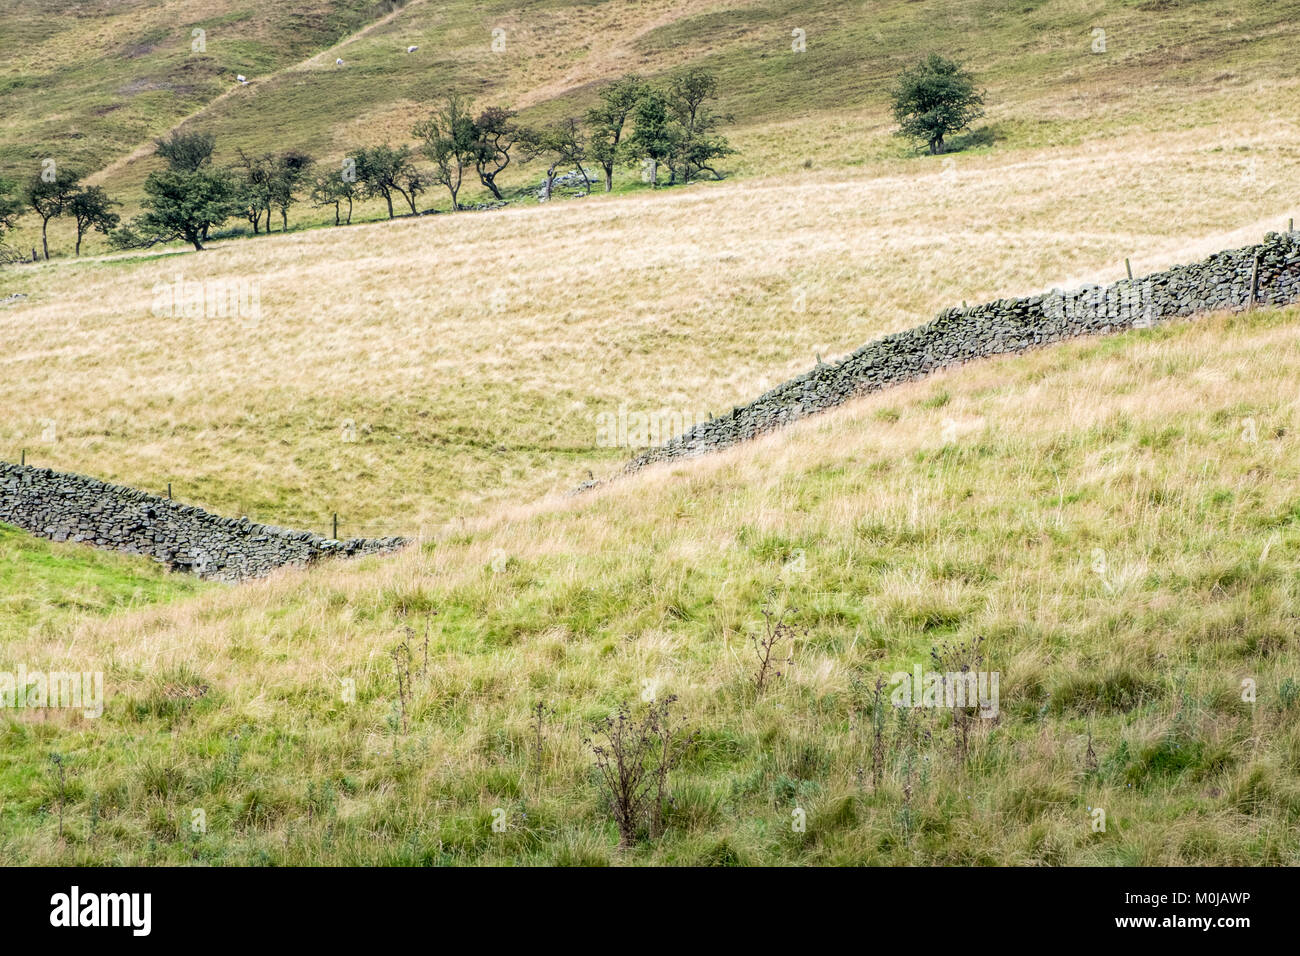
x,y
474,352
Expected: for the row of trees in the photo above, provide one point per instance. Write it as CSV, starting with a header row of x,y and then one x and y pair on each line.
x,y
51,194
635,122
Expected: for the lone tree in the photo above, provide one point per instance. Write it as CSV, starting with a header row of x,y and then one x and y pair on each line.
x,y
450,139
49,198
91,208
609,122
935,99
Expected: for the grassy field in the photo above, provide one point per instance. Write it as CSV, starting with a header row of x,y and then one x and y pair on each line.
x,y
473,354
44,587
1116,519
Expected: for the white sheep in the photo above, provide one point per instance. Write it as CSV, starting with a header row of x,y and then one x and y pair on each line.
x,y
339,61
241,78
412,49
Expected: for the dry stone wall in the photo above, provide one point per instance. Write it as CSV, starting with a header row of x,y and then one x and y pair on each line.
x,y
69,507
1265,274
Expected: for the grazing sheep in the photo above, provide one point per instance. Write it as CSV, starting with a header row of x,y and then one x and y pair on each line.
x,y
241,78
412,49
339,61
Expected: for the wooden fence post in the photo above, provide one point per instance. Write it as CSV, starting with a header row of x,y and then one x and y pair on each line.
x,y
1254,281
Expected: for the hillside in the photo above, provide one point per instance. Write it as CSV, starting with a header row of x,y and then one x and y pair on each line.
x,y
1101,514
95,97
473,357
1112,524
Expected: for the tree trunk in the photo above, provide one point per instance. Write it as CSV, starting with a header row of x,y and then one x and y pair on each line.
x,y
490,183
45,243
389,197
349,211
336,212
78,250
609,176
284,218
654,174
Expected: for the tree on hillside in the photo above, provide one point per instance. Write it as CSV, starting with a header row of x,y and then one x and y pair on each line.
x,y
91,208
449,138
289,171
609,121
48,194
935,99
562,144
334,189
654,138
384,170
497,135
256,174
186,152
11,205
181,205
695,145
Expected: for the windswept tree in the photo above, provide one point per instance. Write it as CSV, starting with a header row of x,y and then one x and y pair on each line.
x,y
496,136
559,144
11,205
256,174
91,208
180,205
609,122
696,145
288,173
48,194
450,139
935,99
186,152
334,189
655,136
385,170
